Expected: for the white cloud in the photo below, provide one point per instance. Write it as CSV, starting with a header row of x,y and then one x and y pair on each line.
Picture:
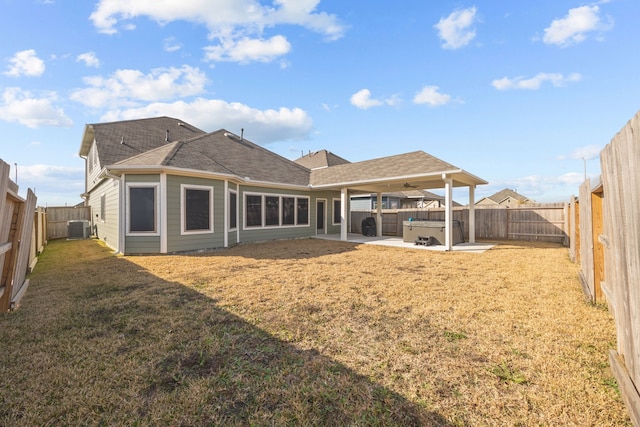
x,y
588,152
53,185
261,126
540,188
246,50
90,59
236,25
22,107
430,95
25,63
171,44
129,87
535,82
456,30
362,99
573,28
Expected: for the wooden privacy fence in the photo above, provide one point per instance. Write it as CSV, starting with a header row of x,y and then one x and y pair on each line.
x,y
544,222
59,216
607,246
16,228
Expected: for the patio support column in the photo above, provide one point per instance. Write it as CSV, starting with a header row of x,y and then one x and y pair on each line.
x,y
472,214
379,216
448,212
344,213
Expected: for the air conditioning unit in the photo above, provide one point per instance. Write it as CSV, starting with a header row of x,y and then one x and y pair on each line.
x,y
78,229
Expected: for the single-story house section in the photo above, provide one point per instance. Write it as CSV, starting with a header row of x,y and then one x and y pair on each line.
x,y
161,185
507,198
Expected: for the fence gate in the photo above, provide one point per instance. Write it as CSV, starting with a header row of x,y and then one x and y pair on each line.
x,y
16,226
390,224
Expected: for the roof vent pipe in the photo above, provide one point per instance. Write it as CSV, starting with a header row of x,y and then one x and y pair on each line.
x,y
166,137
242,134
122,140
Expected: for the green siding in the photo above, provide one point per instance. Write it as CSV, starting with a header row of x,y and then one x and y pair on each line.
x,y
142,244
107,229
275,233
177,242
142,178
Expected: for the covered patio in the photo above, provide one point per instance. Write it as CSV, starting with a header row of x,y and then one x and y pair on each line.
x,y
416,170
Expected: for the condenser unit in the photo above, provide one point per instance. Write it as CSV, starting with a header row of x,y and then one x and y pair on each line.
x,y
78,229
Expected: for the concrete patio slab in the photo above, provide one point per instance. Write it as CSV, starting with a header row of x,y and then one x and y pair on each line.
x,y
397,242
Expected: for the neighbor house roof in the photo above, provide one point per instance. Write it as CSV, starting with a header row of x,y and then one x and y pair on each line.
x,y
116,141
320,159
502,195
221,153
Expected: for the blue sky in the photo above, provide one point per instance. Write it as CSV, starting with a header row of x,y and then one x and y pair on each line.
x,y
523,94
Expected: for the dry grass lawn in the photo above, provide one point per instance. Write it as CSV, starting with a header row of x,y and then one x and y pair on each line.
x,y
307,332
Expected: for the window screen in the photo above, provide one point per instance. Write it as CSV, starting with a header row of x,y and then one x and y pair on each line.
x,y
336,212
254,211
303,211
142,209
197,210
288,210
273,210
233,210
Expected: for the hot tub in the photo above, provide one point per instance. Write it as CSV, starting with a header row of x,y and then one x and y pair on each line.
x,y
412,230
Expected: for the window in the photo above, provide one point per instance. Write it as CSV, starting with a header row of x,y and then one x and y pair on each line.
x,y
233,210
337,214
288,211
103,207
142,202
253,207
303,211
196,209
272,214
269,210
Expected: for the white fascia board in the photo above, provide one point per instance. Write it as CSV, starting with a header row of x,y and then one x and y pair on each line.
x,y
202,174
383,180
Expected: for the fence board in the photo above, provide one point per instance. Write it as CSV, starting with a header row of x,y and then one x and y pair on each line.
x,y
620,165
586,241
24,231
59,216
545,222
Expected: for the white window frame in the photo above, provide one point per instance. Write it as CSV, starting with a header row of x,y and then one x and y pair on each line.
x,y
263,212
156,187
183,208
333,216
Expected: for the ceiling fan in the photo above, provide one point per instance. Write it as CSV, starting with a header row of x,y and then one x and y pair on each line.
x,y
407,185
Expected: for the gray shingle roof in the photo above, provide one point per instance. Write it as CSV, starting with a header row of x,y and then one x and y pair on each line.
x,y
320,159
507,192
223,153
415,163
117,141
172,143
